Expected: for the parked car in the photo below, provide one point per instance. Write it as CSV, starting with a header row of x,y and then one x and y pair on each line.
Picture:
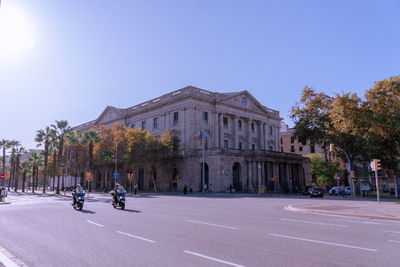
x,y
316,192
334,190
307,190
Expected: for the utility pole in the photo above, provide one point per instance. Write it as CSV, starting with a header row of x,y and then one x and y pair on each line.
x,y
376,166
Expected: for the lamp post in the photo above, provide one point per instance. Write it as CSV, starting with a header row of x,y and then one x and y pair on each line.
x,y
116,160
348,156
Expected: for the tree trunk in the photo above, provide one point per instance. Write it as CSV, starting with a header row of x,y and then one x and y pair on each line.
x,y
60,152
17,175
23,181
54,168
46,156
33,180
76,165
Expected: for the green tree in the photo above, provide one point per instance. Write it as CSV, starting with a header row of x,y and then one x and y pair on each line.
x,y
35,161
75,138
4,144
323,170
44,137
61,129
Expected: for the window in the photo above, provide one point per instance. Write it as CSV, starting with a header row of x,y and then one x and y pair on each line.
x,y
281,148
252,127
205,116
132,125
225,120
176,117
143,125
312,148
291,148
240,124
253,146
300,148
270,148
292,139
240,145
155,123
225,143
270,130
205,144
281,141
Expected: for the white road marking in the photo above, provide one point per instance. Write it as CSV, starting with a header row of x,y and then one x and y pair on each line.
x,y
137,237
363,222
213,259
390,231
311,222
324,242
217,225
9,260
394,241
97,224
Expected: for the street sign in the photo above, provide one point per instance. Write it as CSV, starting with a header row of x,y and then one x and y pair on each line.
x,y
116,175
2,176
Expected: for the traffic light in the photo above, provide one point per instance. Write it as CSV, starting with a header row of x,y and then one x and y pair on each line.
x,y
331,147
377,164
130,176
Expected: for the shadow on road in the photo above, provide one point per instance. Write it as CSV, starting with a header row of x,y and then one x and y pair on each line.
x,y
130,210
88,211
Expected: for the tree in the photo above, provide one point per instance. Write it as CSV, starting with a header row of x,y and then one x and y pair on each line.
x,y
106,156
91,137
61,129
44,137
311,117
4,144
35,161
13,145
323,170
75,138
18,153
26,170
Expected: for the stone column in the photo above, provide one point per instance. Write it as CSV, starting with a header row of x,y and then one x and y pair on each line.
x,y
216,130
259,136
258,166
221,130
265,136
250,166
236,133
249,133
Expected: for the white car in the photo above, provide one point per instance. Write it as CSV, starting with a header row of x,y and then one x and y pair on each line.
x,y
334,190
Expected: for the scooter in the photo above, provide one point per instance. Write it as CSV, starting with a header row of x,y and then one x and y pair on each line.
x,y
119,201
79,200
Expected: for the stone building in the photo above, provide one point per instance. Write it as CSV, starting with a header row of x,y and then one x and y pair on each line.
x,y
242,148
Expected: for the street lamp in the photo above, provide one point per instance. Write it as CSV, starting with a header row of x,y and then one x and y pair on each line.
x,y
116,160
348,156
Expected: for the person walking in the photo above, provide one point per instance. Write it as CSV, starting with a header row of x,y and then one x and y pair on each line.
x,y
185,189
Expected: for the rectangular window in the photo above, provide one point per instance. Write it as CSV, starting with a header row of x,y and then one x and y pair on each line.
x,y
270,148
240,145
205,116
143,125
312,148
281,148
292,139
270,130
291,148
132,125
253,146
225,143
176,117
281,141
300,148
240,124
225,120
155,123
252,127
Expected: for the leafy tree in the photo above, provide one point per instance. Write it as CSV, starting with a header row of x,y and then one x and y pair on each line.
x,y
324,170
61,129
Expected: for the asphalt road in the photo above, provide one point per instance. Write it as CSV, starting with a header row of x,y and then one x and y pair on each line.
x,y
190,231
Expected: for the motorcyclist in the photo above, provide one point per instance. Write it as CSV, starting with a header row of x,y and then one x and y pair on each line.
x,y
78,190
118,189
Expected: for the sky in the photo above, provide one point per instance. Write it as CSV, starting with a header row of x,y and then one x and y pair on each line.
x,y
76,57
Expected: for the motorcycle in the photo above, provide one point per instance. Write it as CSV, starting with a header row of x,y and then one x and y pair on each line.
x,y
79,200
119,201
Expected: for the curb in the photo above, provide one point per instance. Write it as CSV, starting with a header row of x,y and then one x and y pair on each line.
x,y
323,212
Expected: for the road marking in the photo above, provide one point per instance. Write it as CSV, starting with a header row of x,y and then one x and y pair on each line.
x,y
393,232
394,241
97,224
301,221
324,242
217,225
9,260
213,259
363,222
137,237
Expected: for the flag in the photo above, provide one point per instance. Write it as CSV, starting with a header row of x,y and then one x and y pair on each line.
x,y
200,137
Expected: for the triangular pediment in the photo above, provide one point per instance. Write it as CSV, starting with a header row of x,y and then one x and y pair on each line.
x,y
244,100
109,114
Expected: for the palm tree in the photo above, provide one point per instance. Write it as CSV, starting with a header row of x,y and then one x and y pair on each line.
x,y
26,170
61,128
44,137
75,138
18,154
13,145
53,148
35,161
91,137
5,144
106,155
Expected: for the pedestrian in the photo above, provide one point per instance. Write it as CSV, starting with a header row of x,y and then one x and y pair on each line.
x,y
342,189
185,189
230,188
135,189
3,194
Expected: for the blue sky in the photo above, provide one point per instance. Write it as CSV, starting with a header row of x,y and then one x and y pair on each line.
x,y
93,53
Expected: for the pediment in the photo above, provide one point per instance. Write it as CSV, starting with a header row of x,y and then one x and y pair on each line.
x,y
109,114
244,100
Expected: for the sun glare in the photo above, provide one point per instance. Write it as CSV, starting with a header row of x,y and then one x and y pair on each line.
x,y
16,33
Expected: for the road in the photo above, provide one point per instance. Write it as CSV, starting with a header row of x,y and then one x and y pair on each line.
x,y
159,230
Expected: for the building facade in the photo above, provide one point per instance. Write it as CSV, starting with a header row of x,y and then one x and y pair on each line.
x,y
242,148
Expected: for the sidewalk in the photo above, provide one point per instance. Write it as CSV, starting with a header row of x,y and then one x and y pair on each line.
x,y
359,209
